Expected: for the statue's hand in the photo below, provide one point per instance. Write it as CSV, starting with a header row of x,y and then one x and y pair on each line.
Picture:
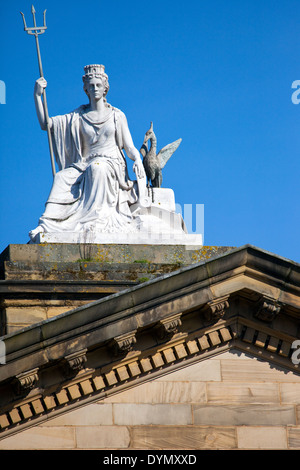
x,y
138,168
39,87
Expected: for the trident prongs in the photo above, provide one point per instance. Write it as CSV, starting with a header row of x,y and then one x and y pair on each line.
x,y
24,21
35,30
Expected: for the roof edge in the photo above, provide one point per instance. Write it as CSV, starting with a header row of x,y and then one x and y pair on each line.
x,y
110,308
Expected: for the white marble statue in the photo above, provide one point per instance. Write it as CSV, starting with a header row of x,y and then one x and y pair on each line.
x,y
92,199
92,189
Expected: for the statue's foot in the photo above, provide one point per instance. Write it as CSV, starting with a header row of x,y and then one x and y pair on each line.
x,y
33,233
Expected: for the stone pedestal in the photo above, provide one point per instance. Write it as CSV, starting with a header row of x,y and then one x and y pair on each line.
x,y
39,281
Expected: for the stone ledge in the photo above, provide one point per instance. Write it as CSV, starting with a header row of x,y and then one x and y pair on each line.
x,y
72,273
59,261
108,253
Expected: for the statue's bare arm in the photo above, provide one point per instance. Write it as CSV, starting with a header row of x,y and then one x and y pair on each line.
x,y
131,151
39,87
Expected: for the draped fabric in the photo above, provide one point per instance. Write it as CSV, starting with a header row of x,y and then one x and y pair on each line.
x,y
92,190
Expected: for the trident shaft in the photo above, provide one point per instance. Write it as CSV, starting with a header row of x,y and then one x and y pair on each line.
x,y
36,31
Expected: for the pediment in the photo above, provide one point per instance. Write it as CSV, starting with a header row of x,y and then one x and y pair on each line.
x,y
246,300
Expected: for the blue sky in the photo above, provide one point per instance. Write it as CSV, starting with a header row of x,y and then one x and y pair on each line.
x,y
217,74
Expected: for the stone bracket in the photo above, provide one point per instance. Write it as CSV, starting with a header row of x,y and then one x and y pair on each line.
x,y
267,309
26,381
214,310
75,362
167,327
123,344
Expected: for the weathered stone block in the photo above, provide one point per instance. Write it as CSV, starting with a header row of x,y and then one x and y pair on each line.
x,y
139,414
15,416
162,392
108,253
253,370
49,402
4,421
62,397
90,415
86,387
200,371
26,411
41,438
243,393
248,415
74,392
173,437
37,406
104,437
294,437
63,276
98,383
290,393
134,369
146,364
25,315
260,437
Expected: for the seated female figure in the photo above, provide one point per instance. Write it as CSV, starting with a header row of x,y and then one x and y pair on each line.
x,y
91,190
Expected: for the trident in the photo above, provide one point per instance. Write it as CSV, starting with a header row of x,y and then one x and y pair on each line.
x,y
36,31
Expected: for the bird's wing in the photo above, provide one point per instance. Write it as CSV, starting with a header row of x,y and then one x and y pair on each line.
x,y
167,151
143,150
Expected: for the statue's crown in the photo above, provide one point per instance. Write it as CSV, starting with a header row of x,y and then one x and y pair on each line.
x,y
93,70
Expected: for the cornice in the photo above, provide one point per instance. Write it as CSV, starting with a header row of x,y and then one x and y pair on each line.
x,y
87,384
237,267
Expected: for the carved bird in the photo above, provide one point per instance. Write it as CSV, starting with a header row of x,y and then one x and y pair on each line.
x,y
153,163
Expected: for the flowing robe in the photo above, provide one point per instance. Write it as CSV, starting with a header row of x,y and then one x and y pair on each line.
x,y
92,190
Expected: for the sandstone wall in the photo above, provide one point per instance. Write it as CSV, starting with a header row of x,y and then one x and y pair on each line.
x,y
230,401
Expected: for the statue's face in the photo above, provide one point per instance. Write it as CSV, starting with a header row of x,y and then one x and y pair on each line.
x,y
95,88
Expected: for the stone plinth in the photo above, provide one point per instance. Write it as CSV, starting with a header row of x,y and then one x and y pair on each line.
x,y
189,241
40,281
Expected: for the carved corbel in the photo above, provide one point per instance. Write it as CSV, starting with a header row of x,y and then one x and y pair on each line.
x,y
75,362
167,327
26,381
122,344
267,309
215,309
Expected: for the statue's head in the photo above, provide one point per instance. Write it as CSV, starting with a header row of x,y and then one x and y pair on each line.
x,y
95,71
